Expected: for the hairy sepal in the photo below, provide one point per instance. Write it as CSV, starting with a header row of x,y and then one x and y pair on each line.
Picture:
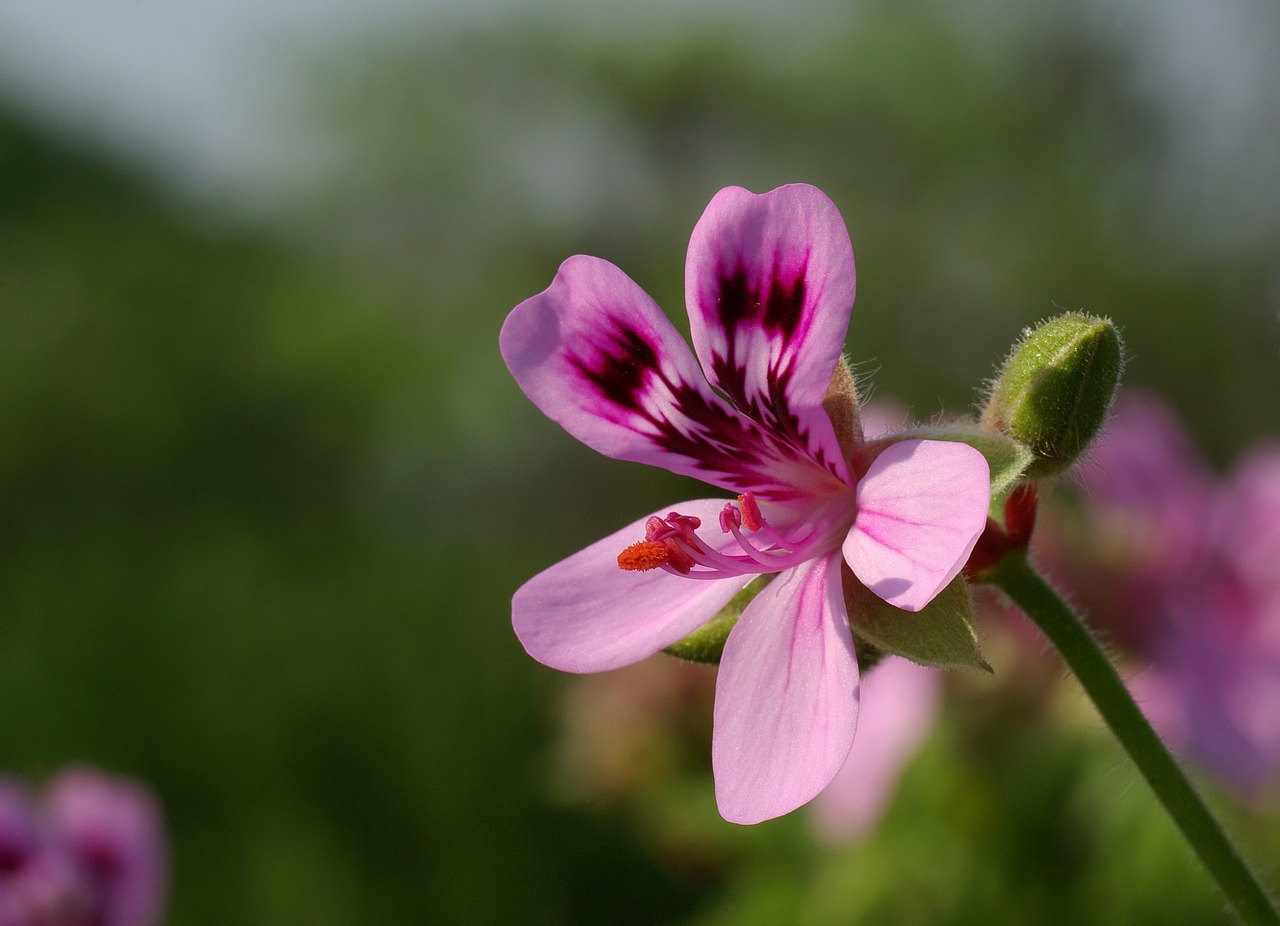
x,y
939,635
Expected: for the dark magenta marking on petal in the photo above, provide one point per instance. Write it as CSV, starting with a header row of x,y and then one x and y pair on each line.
x,y
739,451
774,307
736,298
782,308
778,311
623,368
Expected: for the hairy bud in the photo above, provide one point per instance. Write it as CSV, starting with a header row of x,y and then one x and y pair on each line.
x,y
1056,389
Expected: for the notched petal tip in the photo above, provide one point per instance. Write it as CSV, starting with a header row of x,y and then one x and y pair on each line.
x,y
769,283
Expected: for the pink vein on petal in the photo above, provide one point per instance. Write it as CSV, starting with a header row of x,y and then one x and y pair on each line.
x,y
786,696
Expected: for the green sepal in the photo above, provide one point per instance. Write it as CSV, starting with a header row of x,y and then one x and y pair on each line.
x,y
868,656
706,644
940,635
1007,459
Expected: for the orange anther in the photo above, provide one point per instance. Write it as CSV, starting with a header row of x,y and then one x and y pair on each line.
x,y
750,511
643,556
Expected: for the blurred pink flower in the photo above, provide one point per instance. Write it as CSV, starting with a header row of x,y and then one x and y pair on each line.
x,y
769,285
1184,571
1214,686
902,701
89,852
39,882
1147,500
112,828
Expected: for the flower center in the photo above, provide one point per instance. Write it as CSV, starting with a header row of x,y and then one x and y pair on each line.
x,y
672,543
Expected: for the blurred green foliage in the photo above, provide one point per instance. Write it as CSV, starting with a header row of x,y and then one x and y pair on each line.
x,y
267,490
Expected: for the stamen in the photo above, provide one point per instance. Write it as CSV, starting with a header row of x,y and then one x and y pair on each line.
x,y
643,556
672,544
685,523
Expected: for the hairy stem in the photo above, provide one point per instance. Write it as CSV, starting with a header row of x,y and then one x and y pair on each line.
x,y
1015,575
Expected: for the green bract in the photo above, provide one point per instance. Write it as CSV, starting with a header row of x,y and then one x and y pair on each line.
x,y
939,635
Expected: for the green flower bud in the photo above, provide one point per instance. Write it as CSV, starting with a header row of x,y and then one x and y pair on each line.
x,y
1056,389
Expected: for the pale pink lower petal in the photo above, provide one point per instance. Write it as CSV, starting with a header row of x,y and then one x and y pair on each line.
x,y
921,507
585,614
769,282
599,357
786,696
899,705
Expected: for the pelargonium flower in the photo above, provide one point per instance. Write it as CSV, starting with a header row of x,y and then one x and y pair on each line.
x,y
1213,685
769,284
1142,528
39,882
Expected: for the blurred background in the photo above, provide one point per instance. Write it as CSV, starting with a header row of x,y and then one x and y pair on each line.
x,y
266,487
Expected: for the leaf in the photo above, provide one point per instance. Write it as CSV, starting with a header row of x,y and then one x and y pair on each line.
x,y
940,635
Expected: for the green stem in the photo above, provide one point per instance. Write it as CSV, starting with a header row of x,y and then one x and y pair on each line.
x,y
1100,681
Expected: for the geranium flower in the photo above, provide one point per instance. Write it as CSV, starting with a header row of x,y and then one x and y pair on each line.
x,y
769,283
112,827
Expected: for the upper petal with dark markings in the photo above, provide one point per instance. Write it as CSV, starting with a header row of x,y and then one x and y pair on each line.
x,y
599,357
769,283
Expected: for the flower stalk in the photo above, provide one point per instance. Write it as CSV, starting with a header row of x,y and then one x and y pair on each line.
x,y
1083,655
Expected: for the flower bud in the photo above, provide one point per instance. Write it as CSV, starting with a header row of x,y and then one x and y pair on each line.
x,y
1056,389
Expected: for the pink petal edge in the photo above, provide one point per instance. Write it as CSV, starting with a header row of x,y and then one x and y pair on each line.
x,y
594,316
901,701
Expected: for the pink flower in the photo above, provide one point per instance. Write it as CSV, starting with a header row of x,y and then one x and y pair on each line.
x,y
769,285
89,852
1215,679
39,883
112,827
1143,528
1181,569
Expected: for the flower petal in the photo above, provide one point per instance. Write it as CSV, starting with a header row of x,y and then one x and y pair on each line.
x,y
921,507
786,696
597,356
584,614
769,281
